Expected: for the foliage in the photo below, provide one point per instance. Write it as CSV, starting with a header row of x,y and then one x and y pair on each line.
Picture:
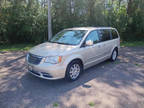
x,y
25,21
55,105
92,104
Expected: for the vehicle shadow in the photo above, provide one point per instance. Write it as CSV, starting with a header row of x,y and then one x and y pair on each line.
x,y
18,88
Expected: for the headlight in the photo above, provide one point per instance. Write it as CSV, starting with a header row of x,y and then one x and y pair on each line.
x,y
53,59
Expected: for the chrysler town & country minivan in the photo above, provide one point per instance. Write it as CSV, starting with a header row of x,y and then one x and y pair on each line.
x,y
71,51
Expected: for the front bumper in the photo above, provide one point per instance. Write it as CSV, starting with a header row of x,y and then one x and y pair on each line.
x,y
47,71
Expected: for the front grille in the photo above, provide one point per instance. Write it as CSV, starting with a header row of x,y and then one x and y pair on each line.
x,y
34,59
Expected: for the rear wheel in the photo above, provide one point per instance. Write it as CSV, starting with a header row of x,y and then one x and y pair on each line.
x,y
74,70
114,55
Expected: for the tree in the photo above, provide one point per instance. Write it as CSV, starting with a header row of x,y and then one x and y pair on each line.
x,y
26,20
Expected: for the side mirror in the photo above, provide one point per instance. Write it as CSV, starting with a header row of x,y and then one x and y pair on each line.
x,y
89,43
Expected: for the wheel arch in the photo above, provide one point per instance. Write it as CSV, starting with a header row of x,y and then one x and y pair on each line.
x,y
116,47
75,59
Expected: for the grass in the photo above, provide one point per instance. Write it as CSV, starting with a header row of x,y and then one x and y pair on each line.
x,y
92,104
16,47
137,64
117,62
132,44
25,47
55,105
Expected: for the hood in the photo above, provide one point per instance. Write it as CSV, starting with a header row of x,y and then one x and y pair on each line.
x,y
50,49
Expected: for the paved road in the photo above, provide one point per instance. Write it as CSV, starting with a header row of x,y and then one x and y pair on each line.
x,y
107,85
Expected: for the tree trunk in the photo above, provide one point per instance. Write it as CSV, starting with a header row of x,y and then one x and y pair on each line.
x,y
129,7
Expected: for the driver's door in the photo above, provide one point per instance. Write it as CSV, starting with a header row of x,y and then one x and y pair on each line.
x,y
91,53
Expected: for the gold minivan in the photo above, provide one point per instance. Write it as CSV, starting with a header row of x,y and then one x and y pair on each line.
x,y
71,51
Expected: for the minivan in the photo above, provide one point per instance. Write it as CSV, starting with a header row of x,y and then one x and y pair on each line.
x,y
71,51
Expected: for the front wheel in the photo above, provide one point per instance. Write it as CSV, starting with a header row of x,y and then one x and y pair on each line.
x,y
114,55
74,70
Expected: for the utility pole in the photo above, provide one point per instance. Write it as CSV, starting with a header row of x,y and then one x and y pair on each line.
x,y
49,20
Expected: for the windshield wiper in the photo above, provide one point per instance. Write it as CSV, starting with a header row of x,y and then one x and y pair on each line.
x,y
60,43
63,43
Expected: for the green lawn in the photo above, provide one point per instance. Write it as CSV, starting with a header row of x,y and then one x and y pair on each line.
x,y
25,47
132,44
16,47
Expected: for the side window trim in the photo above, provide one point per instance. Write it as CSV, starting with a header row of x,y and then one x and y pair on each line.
x,y
111,38
117,33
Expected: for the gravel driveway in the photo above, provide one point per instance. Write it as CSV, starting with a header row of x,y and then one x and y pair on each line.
x,y
106,85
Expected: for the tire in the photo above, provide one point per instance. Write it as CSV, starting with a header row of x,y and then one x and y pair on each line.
x,y
114,55
73,71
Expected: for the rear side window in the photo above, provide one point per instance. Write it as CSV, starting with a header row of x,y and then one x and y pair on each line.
x,y
114,34
104,35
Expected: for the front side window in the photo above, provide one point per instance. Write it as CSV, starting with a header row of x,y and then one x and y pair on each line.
x,y
104,35
93,36
69,37
114,34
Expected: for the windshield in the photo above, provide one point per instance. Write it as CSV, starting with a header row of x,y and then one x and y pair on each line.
x,y
69,37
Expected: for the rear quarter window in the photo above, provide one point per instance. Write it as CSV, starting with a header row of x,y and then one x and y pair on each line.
x,y
114,34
